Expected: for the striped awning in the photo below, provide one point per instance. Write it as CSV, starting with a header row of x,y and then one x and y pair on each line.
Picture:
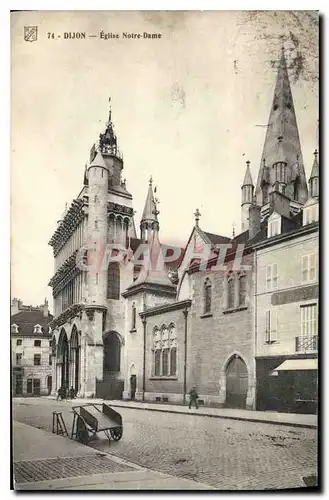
x,y
296,364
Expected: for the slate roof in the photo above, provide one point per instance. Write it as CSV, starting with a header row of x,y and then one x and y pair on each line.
x,y
26,321
98,161
216,239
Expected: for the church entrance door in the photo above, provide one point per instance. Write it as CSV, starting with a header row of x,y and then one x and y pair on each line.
x,y
236,383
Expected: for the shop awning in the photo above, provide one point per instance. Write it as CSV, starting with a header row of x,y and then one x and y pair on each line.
x,y
296,364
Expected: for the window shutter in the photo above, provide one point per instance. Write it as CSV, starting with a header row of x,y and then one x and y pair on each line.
x,y
274,276
304,268
268,326
312,266
302,321
268,277
274,325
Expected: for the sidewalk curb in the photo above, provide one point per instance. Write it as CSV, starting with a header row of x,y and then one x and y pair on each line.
x,y
203,414
227,417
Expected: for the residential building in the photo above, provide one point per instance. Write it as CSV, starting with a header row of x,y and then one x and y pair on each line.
x,y
31,349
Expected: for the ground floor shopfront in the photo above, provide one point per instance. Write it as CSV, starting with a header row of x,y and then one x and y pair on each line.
x,y
287,384
27,383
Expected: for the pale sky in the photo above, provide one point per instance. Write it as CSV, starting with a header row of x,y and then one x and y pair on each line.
x,y
189,109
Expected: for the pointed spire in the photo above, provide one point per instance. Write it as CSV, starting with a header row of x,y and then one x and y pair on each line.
x,y
149,206
282,123
154,270
315,167
247,181
98,161
108,140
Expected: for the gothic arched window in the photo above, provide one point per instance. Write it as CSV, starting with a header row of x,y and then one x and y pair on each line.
x,y
113,281
165,362
242,289
165,351
265,194
230,292
133,317
157,356
173,361
207,296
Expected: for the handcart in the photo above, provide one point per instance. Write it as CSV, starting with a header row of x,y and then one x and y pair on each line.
x,y
90,419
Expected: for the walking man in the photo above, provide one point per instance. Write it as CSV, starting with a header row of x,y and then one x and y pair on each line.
x,y
193,398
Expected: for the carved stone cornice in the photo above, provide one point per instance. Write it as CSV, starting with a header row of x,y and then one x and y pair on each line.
x,y
119,209
67,265
66,315
73,217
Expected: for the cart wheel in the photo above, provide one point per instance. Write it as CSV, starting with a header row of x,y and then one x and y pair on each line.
x,y
116,433
82,431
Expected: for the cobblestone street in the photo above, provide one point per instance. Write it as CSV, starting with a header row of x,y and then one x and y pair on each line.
x,y
225,454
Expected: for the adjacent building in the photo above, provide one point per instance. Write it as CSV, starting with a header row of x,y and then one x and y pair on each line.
x,y
286,306
31,349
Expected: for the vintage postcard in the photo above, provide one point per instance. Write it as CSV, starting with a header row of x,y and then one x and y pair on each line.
x,y
164,259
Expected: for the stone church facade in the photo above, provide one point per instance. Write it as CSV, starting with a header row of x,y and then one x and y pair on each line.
x,y
156,322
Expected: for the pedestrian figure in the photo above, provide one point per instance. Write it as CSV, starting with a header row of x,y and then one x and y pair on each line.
x,y
193,398
61,393
72,393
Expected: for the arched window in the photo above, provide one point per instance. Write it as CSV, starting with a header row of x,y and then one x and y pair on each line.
x,y
133,317
157,355
207,296
164,349
173,361
230,292
265,194
113,281
242,289
165,362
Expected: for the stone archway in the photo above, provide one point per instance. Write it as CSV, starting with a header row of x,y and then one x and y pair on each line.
x,y
112,353
236,375
63,362
75,344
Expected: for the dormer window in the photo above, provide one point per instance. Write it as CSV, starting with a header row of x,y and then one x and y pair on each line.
x,y
37,329
14,328
274,225
311,213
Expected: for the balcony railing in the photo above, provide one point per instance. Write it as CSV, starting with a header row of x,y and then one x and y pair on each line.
x,y
305,343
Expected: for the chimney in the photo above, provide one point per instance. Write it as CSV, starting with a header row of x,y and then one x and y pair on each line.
x,y
45,309
254,220
14,306
279,203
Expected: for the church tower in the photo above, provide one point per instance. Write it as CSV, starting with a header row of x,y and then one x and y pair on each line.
x,y
247,191
148,218
282,164
314,177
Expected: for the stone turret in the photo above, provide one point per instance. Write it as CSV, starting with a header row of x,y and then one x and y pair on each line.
x,y
247,191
